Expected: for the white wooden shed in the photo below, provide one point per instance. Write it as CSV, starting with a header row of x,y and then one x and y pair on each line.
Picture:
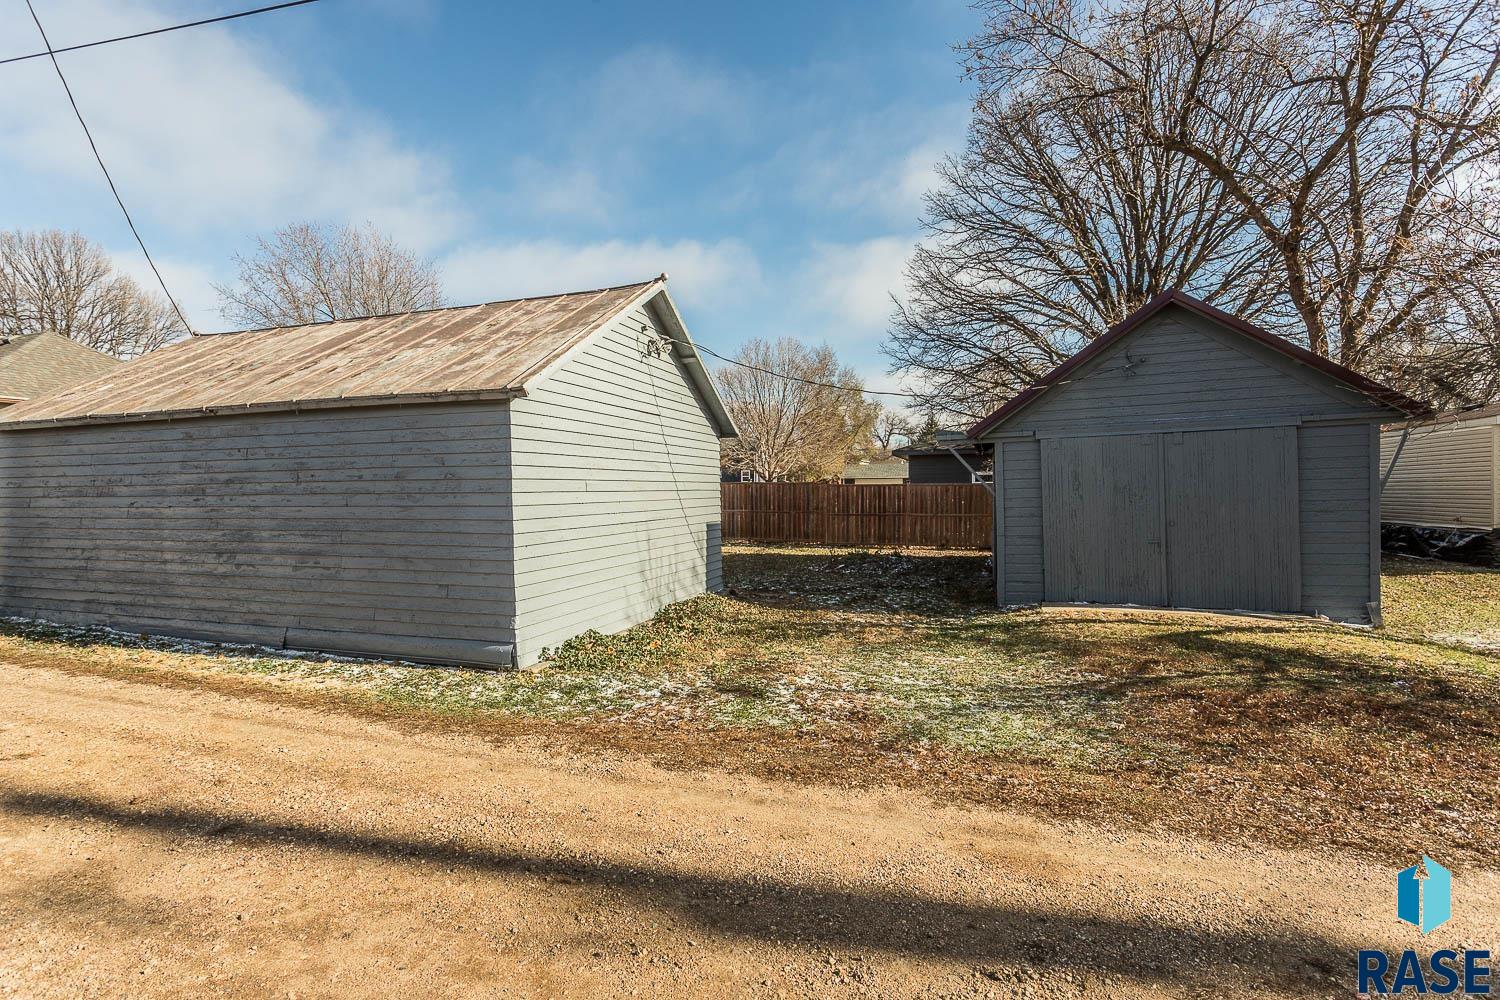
x,y
465,485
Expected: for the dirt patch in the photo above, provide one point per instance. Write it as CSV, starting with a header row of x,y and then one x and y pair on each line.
x,y
166,842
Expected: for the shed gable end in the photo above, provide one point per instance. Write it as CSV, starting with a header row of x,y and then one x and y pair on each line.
x,y
1181,369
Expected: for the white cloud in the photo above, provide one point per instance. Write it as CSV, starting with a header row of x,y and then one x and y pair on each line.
x,y
549,191
852,283
209,133
192,285
877,165
719,272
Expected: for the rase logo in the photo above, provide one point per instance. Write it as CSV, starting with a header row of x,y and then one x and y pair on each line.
x,y
1424,899
1424,895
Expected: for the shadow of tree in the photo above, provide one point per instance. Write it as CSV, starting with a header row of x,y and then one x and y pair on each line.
x,y
1200,956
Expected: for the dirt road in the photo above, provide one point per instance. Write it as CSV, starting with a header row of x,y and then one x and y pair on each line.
x,y
159,842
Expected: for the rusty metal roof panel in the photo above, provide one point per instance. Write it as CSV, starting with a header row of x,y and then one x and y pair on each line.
x,y
481,351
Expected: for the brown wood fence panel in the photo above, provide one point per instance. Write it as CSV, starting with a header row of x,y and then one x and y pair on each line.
x,y
946,516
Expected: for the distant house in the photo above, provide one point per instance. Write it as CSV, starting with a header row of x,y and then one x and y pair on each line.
x,y
1448,472
950,458
876,472
465,485
1187,458
38,363
740,476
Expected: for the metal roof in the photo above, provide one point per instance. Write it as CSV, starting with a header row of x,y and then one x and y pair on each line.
x,y
486,351
1173,297
38,363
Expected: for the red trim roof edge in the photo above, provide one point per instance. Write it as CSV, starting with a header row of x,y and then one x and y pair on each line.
x,y
1173,296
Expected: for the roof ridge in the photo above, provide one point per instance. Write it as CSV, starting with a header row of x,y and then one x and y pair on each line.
x,y
435,309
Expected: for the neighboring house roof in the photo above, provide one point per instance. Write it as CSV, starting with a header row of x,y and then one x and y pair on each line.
x,y
37,363
890,468
946,444
489,351
1173,297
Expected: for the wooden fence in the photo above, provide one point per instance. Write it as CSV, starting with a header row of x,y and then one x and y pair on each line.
x,y
953,517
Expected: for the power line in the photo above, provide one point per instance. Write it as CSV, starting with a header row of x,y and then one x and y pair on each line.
x,y
1128,366
113,190
808,381
157,31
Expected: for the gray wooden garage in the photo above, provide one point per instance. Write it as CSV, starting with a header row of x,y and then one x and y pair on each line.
x,y
465,485
1189,459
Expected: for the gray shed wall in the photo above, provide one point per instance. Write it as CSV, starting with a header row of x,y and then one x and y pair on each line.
x,y
616,490
1180,373
382,531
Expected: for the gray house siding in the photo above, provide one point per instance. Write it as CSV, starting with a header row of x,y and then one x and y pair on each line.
x,y
937,470
1448,475
616,469
1189,466
378,530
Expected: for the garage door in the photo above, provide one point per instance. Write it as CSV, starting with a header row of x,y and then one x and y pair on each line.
x,y
1102,520
1204,519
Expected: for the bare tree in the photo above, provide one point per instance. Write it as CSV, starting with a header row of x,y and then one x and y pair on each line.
x,y
1057,221
890,425
310,274
65,284
801,414
1359,138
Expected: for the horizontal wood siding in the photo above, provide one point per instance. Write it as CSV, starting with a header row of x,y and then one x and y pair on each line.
x,y
1179,368
1445,477
617,491
1021,575
1334,496
839,514
338,527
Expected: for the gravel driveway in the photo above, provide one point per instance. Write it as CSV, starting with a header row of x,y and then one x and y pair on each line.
x,y
158,841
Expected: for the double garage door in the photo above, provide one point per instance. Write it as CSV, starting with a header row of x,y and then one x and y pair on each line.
x,y
1204,519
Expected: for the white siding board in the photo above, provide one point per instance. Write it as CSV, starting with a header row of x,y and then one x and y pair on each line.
x,y
1446,476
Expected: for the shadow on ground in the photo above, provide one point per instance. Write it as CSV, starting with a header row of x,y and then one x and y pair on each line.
x,y
770,910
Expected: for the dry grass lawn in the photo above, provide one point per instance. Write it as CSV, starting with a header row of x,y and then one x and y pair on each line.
x,y
861,668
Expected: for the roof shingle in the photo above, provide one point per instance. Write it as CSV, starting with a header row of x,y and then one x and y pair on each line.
x,y
38,363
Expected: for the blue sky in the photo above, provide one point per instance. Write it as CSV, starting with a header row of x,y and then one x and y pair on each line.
x,y
771,157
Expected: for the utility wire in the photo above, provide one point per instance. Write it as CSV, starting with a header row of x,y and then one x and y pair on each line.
x,y
808,381
113,190
888,392
157,31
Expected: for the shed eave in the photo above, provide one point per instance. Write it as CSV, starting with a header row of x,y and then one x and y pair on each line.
x,y
277,406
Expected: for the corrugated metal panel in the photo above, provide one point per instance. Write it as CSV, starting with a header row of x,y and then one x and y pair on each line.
x,y
480,351
1446,476
1102,520
1232,538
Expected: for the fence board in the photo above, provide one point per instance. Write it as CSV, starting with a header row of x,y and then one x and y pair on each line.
x,y
940,516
